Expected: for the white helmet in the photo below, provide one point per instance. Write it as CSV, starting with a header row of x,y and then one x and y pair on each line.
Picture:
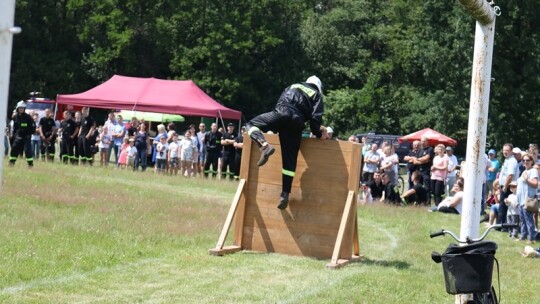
x,y
316,81
21,104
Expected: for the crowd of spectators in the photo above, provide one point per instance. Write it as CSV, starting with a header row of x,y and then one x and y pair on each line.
x,y
119,144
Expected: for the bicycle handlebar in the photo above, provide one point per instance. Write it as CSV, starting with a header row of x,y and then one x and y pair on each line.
x,y
468,240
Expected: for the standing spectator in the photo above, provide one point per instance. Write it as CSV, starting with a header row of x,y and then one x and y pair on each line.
x,y
132,153
119,132
123,155
36,138
438,170
353,139
330,132
86,131
228,152
104,143
78,124
389,162
451,175
492,171
526,188
518,155
157,139
509,173
533,151
212,140
110,123
238,146
197,144
512,214
161,155
23,127
133,127
141,139
47,134
202,149
68,132
424,162
6,141
365,146
410,159
187,150
173,154
371,163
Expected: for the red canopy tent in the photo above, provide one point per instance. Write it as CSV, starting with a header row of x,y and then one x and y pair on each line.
x,y
182,97
432,136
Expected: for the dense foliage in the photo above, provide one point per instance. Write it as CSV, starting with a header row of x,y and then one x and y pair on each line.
x,y
387,66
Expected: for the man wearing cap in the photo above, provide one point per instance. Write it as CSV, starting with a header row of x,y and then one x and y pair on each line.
x,y
23,127
297,104
492,171
227,141
509,173
518,154
452,165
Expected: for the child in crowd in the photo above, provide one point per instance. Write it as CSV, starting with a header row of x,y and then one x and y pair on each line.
x,y
122,158
173,154
104,141
364,195
187,149
131,153
512,215
161,155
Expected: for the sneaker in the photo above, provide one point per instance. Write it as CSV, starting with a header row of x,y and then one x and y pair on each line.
x,y
283,201
266,151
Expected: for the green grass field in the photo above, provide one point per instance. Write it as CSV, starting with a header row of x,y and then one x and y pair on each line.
x,y
99,235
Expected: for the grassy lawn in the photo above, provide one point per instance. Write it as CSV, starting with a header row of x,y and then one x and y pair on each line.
x,y
99,235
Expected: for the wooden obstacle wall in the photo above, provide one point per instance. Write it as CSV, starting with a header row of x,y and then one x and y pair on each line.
x,y
320,220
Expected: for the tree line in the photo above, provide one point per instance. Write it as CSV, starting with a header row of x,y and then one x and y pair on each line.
x,y
388,66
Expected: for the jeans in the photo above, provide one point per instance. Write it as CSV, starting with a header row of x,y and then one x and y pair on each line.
x,y
450,184
6,146
527,224
140,159
36,146
116,149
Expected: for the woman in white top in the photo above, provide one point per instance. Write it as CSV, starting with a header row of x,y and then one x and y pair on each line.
x,y
452,204
526,188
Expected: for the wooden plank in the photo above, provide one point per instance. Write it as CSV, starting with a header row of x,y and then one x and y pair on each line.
x,y
342,227
230,216
224,250
305,177
267,240
246,156
354,169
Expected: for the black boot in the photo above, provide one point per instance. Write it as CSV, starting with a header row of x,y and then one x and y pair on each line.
x,y
283,200
266,151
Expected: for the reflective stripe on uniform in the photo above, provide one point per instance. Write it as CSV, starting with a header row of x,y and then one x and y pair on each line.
x,y
309,91
30,159
253,129
24,124
287,172
12,158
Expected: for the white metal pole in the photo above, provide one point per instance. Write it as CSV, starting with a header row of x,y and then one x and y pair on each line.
x,y
476,139
7,17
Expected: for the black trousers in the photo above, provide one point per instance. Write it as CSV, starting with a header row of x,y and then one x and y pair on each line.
x,y
503,209
20,144
85,149
211,160
237,164
228,163
66,149
48,148
289,126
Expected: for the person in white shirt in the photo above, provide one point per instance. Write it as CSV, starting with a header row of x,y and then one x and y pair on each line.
x,y
451,175
173,154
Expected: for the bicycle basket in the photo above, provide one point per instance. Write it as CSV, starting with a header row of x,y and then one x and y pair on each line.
x,y
468,269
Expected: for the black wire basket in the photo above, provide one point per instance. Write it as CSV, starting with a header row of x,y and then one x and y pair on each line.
x,y
468,269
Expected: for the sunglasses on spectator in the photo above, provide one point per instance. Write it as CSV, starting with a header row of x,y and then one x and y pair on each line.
x,y
527,160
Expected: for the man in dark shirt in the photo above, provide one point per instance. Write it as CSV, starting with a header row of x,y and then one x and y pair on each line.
x,y
47,133
228,152
86,131
238,145
424,161
410,159
23,127
212,140
376,186
68,131
417,194
391,195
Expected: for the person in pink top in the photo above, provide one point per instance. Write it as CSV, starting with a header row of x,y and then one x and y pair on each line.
x,y
122,159
439,170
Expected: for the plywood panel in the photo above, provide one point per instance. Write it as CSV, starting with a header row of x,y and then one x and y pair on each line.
x,y
327,173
